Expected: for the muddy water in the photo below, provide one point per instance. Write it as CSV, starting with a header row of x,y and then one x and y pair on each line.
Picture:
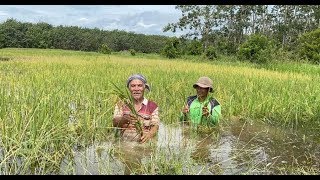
x,y
239,148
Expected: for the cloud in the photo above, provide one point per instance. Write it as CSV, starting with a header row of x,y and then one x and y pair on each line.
x,y
112,26
140,23
83,19
2,13
146,19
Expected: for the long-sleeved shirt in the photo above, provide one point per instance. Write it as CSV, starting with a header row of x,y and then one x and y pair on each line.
x,y
195,111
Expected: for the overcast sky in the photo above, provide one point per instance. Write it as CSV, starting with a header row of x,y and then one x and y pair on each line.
x,y
145,19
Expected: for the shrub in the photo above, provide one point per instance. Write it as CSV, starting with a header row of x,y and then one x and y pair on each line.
x,y
225,47
211,53
171,49
309,46
105,49
282,55
256,49
132,52
194,48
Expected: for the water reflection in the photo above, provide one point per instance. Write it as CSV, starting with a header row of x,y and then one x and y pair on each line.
x,y
263,149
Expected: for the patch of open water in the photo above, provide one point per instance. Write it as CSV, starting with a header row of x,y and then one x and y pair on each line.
x,y
241,148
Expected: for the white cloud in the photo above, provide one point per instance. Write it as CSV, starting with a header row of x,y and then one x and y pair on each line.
x,y
2,13
83,19
140,23
111,26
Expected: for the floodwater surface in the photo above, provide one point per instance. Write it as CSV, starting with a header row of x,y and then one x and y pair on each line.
x,y
239,148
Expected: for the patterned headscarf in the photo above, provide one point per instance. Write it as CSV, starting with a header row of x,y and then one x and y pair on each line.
x,y
140,77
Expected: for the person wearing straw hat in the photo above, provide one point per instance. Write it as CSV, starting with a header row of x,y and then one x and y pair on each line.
x,y
146,110
202,108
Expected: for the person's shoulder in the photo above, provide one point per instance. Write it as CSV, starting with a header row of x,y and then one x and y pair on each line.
x,y
151,106
214,101
191,97
152,103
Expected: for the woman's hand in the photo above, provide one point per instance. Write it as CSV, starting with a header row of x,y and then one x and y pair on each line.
x,y
130,119
185,109
205,111
145,137
149,135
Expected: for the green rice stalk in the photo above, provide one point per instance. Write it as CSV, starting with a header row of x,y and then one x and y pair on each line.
x,y
127,99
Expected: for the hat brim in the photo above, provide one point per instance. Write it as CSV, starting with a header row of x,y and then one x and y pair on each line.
x,y
203,86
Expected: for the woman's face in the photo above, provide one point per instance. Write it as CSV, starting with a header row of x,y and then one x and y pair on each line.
x,y
137,88
202,92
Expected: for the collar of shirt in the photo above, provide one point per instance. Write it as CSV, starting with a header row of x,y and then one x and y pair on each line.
x,y
145,101
206,100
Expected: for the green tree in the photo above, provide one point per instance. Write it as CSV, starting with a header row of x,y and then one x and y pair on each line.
x,y
132,52
171,49
39,35
12,33
211,53
200,20
194,47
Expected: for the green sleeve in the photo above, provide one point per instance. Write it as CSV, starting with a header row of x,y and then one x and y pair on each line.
x,y
215,116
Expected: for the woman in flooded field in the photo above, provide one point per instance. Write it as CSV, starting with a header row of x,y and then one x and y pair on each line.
x,y
202,108
137,120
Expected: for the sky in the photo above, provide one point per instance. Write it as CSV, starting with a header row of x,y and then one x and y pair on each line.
x,y
140,19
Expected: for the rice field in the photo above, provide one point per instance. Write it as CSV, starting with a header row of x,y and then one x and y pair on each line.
x,y
54,100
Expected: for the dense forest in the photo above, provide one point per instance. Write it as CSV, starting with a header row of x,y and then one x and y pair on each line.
x,y
43,35
252,32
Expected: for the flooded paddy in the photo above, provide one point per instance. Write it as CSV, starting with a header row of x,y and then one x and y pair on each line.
x,y
239,148
54,99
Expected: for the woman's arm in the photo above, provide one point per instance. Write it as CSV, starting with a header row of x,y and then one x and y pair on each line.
x,y
215,115
118,118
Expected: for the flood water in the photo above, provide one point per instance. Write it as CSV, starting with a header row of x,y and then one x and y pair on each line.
x,y
239,148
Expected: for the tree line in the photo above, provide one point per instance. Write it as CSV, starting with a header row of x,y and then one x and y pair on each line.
x,y
227,28
256,33
43,35
232,23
